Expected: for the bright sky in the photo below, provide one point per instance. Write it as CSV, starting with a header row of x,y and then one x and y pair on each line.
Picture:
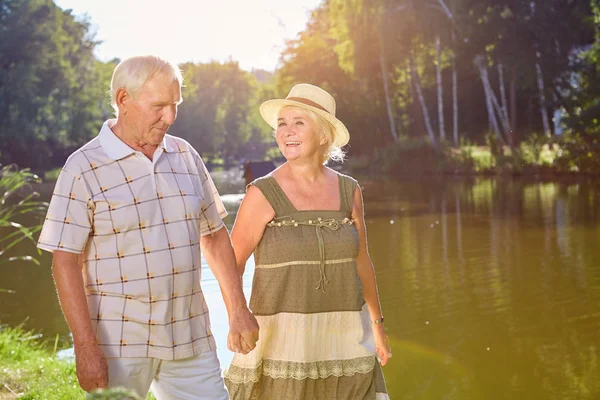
x,y
252,32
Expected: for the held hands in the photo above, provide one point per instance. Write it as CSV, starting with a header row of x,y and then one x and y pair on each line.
x,y
243,332
382,344
92,368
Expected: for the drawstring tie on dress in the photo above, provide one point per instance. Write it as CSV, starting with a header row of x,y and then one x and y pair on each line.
x,y
331,224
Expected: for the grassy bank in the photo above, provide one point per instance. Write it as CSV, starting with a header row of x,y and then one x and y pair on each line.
x,y
29,369
539,155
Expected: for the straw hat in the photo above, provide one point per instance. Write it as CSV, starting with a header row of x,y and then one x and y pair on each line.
x,y
312,98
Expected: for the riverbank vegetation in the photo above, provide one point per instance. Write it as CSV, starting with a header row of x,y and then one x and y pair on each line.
x,y
17,199
475,86
32,370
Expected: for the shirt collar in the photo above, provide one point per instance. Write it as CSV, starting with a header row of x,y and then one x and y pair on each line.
x,y
115,148
166,144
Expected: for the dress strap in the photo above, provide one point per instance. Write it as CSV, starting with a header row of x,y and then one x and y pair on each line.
x,y
347,188
274,195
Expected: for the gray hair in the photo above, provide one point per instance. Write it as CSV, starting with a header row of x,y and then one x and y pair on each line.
x,y
332,152
132,73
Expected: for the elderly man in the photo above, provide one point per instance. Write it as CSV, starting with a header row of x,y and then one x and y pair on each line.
x,y
130,212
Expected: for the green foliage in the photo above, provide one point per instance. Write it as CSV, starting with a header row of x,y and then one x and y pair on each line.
x,y
482,160
16,201
350,47
323,56
494,144
52,175
410,156
53,92
578,153
414,156
582,96
31,371
503,160
539,150
114,394
219,115
539,154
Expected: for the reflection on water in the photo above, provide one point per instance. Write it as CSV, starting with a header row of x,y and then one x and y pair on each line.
x,y
490,288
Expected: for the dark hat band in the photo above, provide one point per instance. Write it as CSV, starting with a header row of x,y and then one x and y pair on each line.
x,y
308,103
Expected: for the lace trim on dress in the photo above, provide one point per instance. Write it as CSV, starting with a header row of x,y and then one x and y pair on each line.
x,y
301,370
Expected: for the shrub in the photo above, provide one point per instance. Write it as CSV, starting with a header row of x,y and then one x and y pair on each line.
x,y
17,199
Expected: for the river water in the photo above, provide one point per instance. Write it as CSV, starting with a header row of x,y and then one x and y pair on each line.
x,y
490,288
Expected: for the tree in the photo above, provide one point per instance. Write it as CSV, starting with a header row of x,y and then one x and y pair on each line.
x,y
325,56
581,90
219,115
534,40
52,89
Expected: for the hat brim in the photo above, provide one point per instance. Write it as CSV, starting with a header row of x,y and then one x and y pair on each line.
x,y
269,110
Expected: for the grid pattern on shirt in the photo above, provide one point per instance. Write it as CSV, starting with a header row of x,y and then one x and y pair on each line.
x,y
138,224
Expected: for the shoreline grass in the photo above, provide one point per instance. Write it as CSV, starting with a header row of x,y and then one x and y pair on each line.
x,y
539,156
30,370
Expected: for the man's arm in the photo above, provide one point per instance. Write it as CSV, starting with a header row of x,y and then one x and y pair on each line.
x,y
92,368
243,328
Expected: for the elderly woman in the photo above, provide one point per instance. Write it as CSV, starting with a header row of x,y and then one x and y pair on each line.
x,y
314,292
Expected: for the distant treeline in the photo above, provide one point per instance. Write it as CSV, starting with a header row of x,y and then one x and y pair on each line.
x,y
447,72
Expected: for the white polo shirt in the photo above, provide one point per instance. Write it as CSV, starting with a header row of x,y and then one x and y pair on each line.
x,y
138,223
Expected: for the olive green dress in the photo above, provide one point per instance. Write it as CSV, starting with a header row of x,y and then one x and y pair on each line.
x,y
316,341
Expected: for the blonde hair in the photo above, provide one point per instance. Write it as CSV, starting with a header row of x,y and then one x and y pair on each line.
x,y
332,152
132,73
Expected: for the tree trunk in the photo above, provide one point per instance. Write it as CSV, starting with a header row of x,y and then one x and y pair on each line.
x,y
544,111
446,10
513,103
557,117
505,125
388,101
502,91
454,99
450,16
417,83
492,116
489,96
438,78
503,107
540,83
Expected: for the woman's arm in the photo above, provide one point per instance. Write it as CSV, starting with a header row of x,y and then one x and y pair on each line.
x,y
254,214
366,272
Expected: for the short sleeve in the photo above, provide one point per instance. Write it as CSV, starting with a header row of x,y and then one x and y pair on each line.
x,y
69,219
213,210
